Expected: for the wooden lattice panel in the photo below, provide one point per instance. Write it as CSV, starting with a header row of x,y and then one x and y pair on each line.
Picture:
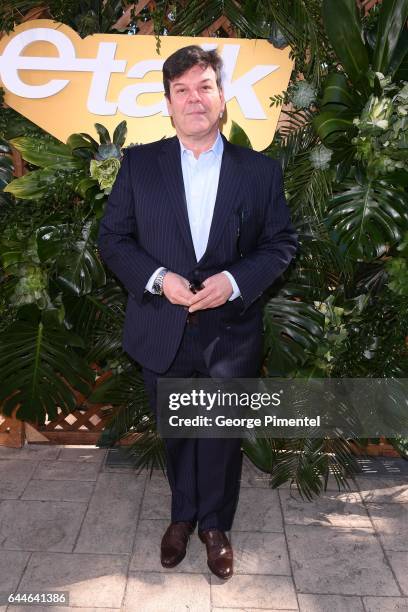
x,y
81,426
78,427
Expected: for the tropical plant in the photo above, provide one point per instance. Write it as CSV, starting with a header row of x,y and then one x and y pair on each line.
x,y
64,310
341,309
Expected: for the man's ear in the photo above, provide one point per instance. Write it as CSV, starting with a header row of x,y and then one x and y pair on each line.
x,y
222,99
168,103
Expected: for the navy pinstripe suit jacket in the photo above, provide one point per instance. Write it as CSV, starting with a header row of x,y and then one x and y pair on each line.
x,y
145,225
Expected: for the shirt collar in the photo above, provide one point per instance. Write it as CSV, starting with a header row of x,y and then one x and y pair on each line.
x,y
217,148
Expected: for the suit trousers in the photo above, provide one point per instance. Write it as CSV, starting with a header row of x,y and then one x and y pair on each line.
x,y
203,473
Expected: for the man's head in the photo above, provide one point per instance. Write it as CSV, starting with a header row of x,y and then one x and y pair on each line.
x,y
193,90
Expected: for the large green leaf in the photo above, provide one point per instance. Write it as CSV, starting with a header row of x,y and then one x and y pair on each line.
x,y
293,330
391,25
337,91
102,133
39,370
82,141
32,185
332,125
119,135
343,27
238,136
369,217
43,153
398,66
79,267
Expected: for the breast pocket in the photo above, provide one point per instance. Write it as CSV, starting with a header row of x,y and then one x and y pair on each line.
x,y
247,228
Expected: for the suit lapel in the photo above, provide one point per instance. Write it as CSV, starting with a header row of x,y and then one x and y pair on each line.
x,y
227,195
170,165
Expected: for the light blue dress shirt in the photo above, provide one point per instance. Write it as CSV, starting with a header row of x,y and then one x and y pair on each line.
x,y
201,178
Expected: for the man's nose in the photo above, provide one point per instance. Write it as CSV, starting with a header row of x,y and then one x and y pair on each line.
x,y
194,96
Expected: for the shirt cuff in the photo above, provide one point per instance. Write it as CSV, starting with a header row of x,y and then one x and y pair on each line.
x,y
149,285
235,289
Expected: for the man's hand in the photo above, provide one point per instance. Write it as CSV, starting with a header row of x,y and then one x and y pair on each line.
x,y
217,289
176,289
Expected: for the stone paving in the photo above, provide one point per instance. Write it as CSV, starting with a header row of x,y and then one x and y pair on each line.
x,y
68,522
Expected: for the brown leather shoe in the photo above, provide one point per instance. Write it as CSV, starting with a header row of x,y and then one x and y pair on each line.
x,y
219,552
174,543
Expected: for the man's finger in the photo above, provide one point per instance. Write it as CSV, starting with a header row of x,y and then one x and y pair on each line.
x,y
184,297
200,295
207,302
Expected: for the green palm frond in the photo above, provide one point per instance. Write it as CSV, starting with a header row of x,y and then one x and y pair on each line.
x,y
376,343
295,135
293,329
306,463
126,391
40,369
321,268
201,14
307,188
98,318
301,23
148,451
370,277
11,12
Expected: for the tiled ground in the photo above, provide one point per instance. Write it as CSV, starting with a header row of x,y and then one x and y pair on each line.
x,y
68,522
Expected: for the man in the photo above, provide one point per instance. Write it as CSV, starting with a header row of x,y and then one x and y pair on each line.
x,y
197,229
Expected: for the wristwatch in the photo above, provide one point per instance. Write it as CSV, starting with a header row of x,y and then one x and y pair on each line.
x,y
158,282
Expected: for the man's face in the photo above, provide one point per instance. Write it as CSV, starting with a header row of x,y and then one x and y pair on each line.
x,y
195,102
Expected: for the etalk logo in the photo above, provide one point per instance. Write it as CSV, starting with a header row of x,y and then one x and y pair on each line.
x,y
65,84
